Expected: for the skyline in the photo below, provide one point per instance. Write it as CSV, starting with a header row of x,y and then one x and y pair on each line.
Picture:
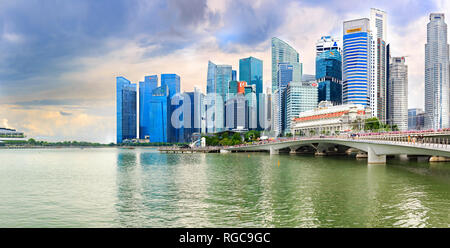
x,y
63,84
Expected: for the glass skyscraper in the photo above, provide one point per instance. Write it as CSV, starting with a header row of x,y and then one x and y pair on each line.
x,y
285,75
357,48
126,109
398,93
217,84
329,76
378,23
173,83
283,52
251,71
300,97
437,73
145,94
154,111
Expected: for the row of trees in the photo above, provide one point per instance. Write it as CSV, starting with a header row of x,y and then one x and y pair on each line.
x,y
374,125
231,139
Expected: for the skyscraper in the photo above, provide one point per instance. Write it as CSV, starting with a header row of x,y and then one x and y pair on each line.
x,y
329,70
251,71
172,81
398,93
378,24
192,116
284,77
437,73
283,52
145,94
126,109
416,119
218,79
300,97
357,49
327,43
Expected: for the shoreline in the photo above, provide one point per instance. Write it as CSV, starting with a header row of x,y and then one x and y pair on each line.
x,y
73,147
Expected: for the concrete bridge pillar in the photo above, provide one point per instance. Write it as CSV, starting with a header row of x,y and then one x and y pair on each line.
x,y
273,151
293,150
373,158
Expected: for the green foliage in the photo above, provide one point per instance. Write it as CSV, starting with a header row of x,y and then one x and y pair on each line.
x,y
289,135
252,135
372,124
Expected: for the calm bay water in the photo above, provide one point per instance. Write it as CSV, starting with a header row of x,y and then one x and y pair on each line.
x,y
111,187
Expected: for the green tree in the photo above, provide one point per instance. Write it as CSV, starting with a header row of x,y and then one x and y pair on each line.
x,y
372,124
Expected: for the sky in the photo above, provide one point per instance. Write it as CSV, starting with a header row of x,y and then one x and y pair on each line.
x,y
59,59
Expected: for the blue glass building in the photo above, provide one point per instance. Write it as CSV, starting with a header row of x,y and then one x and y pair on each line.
x,y
126,109
145,94
172,81
217,84
251,71
285,73
329,76
356,62
159,118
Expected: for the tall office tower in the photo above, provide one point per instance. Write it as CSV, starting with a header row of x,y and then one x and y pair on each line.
x,y
126,109
285,73
269,105
416,119
329,70
172,81
357,49
192,116
251,71
237,113
218,79
276,113
233,75
437,73
145,93
300,97
398,93
327,43
388,61
250,97
378,24
283,52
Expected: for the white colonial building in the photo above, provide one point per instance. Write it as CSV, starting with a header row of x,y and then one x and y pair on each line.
x,y
331,120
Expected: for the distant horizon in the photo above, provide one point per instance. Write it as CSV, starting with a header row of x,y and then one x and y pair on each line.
x,y
60,60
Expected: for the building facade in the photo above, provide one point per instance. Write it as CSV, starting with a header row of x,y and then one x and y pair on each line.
x,y
416,119
437,73
218,79
357,56
283,52
285,76
327,43
251,71
126,108
329,76
300,97
327,119
378,23
398,93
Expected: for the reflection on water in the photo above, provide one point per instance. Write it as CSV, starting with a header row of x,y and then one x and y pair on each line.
x,y
143,188
258,190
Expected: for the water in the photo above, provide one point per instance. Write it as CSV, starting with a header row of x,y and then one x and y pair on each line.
x,y
109,187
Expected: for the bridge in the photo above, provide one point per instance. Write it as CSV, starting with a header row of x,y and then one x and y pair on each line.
x,y
376,147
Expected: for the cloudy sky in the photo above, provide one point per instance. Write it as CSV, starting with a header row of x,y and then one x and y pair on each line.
x,y
59,59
